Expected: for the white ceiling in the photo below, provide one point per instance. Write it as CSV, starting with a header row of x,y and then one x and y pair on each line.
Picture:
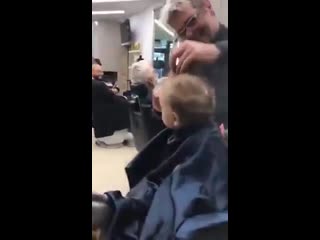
x,y
131,8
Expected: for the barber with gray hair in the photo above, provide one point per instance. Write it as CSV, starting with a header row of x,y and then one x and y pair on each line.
x,y
203,50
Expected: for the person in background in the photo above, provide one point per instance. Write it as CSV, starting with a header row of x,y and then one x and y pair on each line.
x,y
203,48
143,80
97,74
147,123
110,114
140,58
97,61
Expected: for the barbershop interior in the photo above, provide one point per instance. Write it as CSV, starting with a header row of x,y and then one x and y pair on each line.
x,y
159,119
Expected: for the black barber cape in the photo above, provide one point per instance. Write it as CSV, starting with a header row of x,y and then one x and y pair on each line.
x,y
178,188
110,112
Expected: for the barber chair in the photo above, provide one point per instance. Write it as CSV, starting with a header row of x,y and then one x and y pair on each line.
x,y
101,215
144,124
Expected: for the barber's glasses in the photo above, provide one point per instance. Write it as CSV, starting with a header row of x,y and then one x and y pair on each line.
x,y
190,23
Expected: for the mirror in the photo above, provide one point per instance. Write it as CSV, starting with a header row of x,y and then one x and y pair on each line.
x,y
163,43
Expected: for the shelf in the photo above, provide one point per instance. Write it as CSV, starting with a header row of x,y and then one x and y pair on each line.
x,y
134,51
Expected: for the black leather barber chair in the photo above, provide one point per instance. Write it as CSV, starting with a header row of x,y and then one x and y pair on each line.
x,y
144,124
101,215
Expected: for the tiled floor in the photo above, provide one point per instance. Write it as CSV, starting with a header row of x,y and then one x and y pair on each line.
x,y
108,168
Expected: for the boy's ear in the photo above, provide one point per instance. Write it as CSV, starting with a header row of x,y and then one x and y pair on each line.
x,y
176,120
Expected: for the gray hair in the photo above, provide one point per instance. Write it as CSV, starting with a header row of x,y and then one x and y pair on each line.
x,y
176,5
139,71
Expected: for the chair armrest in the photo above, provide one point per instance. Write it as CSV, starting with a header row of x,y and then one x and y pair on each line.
x,y
102,213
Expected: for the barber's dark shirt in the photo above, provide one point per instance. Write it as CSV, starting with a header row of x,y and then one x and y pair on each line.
x,y
217,75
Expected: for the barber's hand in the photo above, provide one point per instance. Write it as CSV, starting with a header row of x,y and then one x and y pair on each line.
x,y
192,51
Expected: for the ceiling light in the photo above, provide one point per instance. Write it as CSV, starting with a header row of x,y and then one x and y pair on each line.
x,y
108,1
107,12
164,27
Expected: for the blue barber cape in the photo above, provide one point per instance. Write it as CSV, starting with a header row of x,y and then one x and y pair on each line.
x,y
178,188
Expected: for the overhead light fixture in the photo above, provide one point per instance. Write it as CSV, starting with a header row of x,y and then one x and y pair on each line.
x,y
109,1
164,27
107,12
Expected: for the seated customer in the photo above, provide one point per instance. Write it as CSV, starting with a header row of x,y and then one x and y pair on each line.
x,y
110,113
145,124
98,74
143,80
179,182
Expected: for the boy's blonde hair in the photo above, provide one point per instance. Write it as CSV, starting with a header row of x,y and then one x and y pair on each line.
x,y
190,98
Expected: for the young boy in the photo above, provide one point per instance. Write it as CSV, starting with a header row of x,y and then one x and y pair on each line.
x,y
185,100
179,181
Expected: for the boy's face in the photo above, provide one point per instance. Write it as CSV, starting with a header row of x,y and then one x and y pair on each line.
x,y
168,116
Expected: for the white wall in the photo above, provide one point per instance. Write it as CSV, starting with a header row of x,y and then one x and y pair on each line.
x,y
221,9
106,44
142,27
224,12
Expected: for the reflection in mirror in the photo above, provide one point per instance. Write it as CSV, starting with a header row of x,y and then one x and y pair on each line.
x,y
163,44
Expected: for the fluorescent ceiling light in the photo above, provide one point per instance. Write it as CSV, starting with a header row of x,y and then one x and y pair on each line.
x,y
107,12
108,1
164,27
